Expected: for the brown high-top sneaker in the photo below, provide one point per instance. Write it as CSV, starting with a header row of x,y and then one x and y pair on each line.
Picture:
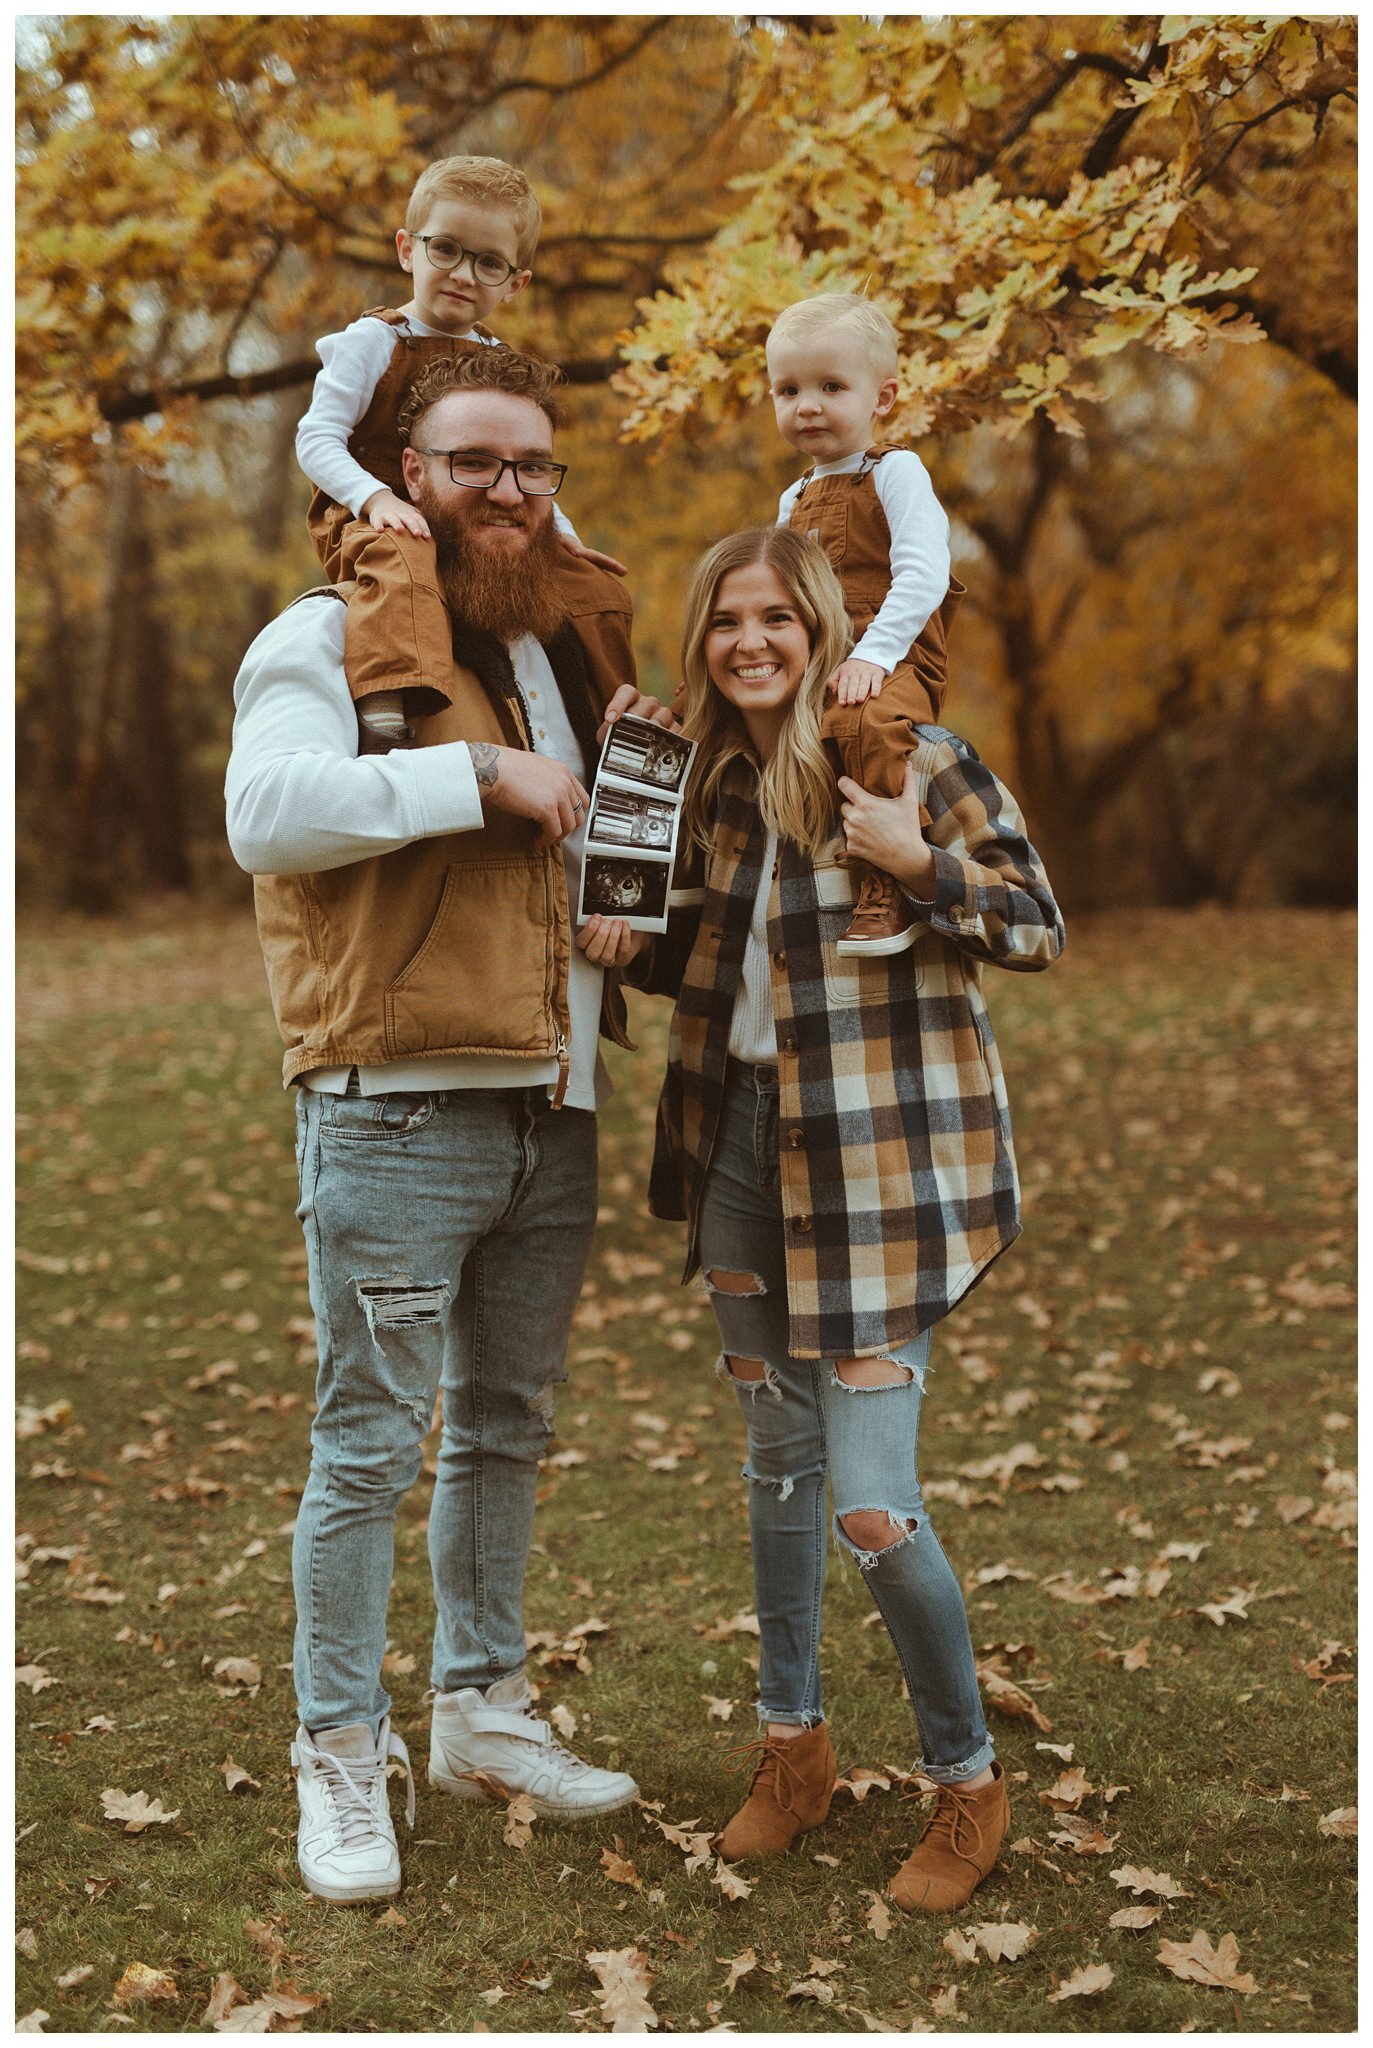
x,y
788,1794
882,922
957,1848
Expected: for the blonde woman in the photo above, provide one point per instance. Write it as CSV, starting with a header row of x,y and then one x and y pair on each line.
x,y
835,1134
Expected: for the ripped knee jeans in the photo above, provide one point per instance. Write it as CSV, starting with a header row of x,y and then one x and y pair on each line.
x,y
447,1235
854,1424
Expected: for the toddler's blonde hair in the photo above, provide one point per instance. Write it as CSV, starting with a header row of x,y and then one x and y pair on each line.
x,y
863,326
490,181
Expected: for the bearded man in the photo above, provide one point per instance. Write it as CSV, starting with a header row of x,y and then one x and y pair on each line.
x,y
441,1030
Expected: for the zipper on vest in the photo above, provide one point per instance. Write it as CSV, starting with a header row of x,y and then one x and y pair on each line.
x,y
564,1070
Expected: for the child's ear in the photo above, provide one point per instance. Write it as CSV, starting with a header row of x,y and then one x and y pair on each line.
x,y
515,285
886,396
405,249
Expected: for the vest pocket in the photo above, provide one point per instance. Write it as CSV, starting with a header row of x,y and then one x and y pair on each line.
x,y
826,523
484,978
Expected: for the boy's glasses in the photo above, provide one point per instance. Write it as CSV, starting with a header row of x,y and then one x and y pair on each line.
x,y
535,477
446,254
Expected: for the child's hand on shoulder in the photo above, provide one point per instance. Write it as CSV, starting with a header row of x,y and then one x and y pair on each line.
x,y
385,510
853,682
593,555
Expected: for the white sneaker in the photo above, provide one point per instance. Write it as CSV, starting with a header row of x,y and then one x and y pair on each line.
x,y
346,1844
474,1738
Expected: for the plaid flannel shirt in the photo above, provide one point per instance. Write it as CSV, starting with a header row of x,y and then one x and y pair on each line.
x,y
898,1177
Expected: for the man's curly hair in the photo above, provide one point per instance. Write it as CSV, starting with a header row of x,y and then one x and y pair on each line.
x,y
482,369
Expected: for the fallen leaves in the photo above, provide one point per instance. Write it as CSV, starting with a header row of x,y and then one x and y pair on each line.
x,y
1001,1941
1235,1607
878,1917
1343,1823
136,1810
34,1677
1009,1699
143,1985
1197,1962
236,1779
275,2012
1084,1983
618,1867
625,1979
1135,1916
1141,1881
738,1967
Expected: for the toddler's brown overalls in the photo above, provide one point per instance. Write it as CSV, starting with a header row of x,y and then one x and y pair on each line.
x,y
398,634
873,739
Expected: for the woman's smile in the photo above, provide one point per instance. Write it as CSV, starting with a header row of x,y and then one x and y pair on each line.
x,y
757,649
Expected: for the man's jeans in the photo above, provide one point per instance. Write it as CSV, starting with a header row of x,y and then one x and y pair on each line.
x,y
447,1237
804,1421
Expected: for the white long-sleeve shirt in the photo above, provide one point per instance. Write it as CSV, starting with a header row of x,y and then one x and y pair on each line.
x,y
301,800
919,550
353,364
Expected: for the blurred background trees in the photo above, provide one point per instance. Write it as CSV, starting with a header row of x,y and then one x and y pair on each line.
x,y
1120,251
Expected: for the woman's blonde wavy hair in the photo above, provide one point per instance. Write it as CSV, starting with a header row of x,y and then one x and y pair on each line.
x,y
796,787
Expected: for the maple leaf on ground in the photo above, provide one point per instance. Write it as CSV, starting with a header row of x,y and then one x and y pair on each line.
x,y
135,1809
739,1966
960,1946
878,1917
741,1624
1008,1699
618,1867
1145,1880
860,1781
1068,1790
236,1779
1135,1916
226,1993
276,2012
1083,1983
1343,1822
1236,1607
1004,1941
520,1813
625,1979
731,1884
143,1985
1198,1962
263,1935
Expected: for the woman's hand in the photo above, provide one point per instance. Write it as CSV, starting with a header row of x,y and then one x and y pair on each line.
x,y
609,942
631,703
887,833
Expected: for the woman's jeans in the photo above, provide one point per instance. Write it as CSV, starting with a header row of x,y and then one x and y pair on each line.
x,y
803,1421
447,1237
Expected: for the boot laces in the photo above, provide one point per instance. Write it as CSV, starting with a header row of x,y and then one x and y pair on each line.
x,y
954,1815
877,894
773,1766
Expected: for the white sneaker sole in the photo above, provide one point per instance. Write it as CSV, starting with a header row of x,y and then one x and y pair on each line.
x,y
468,1788
874,949
349,1895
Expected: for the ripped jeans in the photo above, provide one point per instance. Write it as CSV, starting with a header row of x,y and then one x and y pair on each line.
x,y
804,1422
447,1235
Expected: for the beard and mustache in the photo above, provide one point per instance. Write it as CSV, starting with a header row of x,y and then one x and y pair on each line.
x,y
502,591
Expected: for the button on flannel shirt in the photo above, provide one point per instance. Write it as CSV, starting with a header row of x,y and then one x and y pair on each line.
x,y
898,1177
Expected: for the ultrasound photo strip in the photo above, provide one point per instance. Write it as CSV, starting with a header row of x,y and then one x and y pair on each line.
x,y
635,889
620,817
636,750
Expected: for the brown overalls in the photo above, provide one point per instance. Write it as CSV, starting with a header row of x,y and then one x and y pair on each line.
x,y
873,739
399,635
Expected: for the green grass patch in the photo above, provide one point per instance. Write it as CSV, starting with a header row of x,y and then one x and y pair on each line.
x,y
1171,1340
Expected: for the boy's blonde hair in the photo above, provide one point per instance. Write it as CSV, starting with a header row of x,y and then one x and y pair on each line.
x,y
797,795
863,326
487,179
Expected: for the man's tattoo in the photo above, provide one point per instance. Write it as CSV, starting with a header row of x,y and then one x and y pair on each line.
x,y
486,763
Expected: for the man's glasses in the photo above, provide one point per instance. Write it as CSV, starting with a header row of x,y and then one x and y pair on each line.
x,y
536,477
446,254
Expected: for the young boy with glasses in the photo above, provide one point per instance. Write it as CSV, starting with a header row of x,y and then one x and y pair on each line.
x,y
832,364
470,232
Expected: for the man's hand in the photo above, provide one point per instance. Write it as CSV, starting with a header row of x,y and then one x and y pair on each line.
x,y
529,786
886,832
592,555
631,703
853,682
608,941
385,509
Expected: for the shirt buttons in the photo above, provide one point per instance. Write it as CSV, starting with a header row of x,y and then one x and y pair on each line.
x,y
956,912
779,959
789,1046
796,1139
803,1225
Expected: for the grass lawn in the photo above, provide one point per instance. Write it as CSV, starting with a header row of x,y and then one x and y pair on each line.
x,y
1138,1445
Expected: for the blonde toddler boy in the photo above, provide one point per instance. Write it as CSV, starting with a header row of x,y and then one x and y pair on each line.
x,y
471,229
832,365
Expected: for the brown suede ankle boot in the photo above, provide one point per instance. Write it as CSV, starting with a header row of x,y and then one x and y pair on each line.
x,y
789,1793
956,1849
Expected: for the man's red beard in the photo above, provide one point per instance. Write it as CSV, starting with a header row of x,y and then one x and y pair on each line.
x,y
505,591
